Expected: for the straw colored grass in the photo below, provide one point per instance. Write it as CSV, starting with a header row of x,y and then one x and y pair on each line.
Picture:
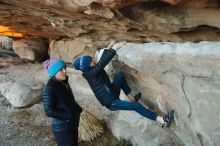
x,y
89,127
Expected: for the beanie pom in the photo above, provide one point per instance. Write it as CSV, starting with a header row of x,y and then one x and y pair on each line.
x,y
46,64
53,66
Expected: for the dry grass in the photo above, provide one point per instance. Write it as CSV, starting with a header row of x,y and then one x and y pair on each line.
x,y
89,127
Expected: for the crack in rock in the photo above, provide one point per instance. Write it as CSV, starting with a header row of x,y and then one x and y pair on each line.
x,y
184,92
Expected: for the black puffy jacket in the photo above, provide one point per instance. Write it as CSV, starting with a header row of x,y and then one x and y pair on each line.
x,y
99,80
60,104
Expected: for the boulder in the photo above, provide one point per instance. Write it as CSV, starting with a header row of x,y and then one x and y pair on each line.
x,y
21,94
32,49
180,76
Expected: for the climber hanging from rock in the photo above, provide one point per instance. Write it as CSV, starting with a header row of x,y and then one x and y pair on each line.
x,y
108,93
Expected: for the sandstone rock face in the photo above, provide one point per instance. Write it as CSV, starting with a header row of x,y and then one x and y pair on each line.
x,y
184,77
194,3
22,84
101,20
70,49
130,125
24,73
32,49
21,95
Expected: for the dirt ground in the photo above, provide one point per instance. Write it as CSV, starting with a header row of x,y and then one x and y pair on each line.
x,y
20,127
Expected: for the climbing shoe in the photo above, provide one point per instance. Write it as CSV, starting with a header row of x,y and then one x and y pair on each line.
x,y
137,96
168,118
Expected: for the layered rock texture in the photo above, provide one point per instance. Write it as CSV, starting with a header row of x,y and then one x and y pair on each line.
x,y
100,20
172,57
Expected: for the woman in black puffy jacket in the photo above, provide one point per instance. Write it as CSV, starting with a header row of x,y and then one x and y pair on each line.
x,y
60,104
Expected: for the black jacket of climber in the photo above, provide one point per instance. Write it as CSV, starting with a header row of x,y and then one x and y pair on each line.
x,y
98,79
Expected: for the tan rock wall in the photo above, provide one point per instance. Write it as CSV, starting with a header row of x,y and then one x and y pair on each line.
x,y
134,20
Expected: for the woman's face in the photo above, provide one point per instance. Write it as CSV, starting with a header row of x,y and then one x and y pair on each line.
x,y
62,74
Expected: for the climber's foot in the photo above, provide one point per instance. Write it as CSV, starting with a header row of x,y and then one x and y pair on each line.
x,y
137,97
168,118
